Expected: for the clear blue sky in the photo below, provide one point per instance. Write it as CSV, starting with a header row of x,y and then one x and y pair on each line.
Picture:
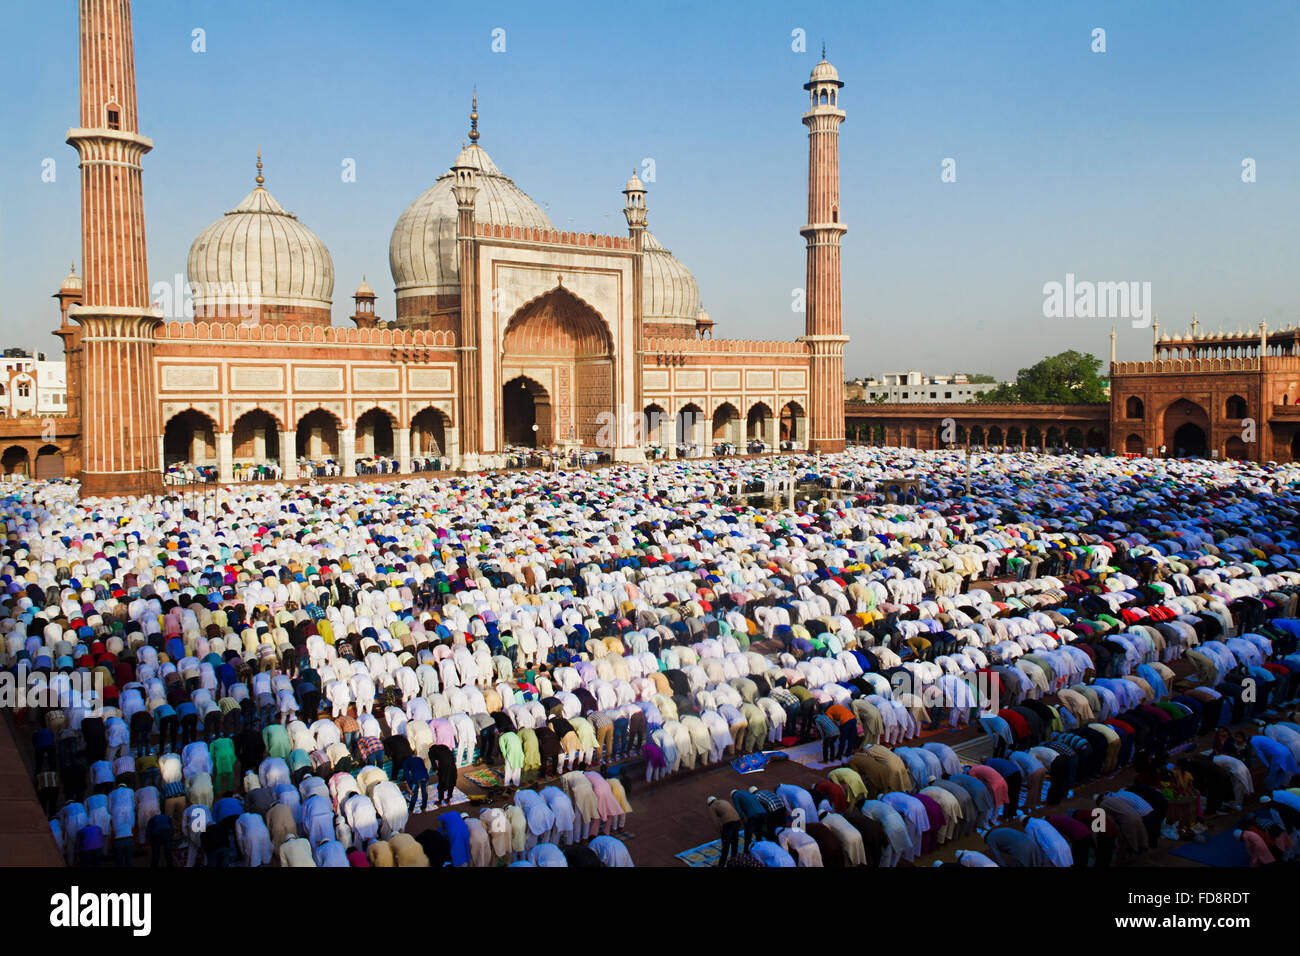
x,y
1117,166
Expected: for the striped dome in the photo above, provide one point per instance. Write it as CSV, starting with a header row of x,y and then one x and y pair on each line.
x,y
262,253
422,251
668,290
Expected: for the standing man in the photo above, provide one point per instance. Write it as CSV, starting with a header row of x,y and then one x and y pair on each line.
x,y
416,775
728,821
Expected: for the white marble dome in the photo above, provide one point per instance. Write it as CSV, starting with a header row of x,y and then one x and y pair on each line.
x,y
823,72
422,251
669,293
260,251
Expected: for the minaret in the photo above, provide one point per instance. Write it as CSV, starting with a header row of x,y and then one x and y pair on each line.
x,y
364,313
120,434
70,294
634,210
465,189
823,321
1112,351
1155,337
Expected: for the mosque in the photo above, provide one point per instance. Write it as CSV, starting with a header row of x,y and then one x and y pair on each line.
x,y
508,332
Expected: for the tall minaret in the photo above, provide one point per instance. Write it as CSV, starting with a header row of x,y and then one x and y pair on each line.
x,y
465,188
634,210
120,434
823,321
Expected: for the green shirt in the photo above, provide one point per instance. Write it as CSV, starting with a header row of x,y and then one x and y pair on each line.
x,y
223,755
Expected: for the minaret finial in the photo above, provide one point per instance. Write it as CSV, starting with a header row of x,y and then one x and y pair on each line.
x,y
823,49
259,180
473,119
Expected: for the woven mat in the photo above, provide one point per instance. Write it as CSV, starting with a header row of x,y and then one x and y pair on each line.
x,y
706,854
485,777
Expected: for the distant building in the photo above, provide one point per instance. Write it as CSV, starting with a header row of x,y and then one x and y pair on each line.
x,y
32,385
915,386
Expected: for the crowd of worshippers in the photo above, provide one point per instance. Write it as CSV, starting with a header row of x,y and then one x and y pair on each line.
x,y
889,806
334,637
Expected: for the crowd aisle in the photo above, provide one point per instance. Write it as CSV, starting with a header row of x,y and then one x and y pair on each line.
x,y
295,678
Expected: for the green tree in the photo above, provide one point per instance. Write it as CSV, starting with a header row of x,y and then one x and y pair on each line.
x,y
978,378
1069,378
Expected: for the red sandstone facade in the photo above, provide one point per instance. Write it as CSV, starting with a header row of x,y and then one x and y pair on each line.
x,y
1224,395
517,335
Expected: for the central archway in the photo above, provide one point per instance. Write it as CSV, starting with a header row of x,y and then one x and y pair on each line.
x,y
562,347
1184,429
525,404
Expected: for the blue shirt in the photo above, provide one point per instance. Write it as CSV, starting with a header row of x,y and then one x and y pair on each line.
x,y
457,833
1012,848
414,770
771,854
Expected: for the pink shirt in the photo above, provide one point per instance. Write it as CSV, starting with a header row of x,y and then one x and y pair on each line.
x,y
993,780
1256,847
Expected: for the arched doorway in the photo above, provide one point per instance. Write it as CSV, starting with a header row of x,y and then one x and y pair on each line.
x,y
255,438
1133,445
724,417
563,346
756,427
1234,447
15,461
429,433
1184,430
318,436
689,429
1133,407
526,414
1236,408
791,423
190,438
375,434
49,462
653,421
1073,438
1295,446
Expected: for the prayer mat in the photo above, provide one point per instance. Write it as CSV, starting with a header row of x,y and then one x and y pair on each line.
x,y
458,796
749,763
810,755
706,854
1222,850
485,777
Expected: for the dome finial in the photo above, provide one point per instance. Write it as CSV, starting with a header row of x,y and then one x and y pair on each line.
x,y
473,119
259,179
823,49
